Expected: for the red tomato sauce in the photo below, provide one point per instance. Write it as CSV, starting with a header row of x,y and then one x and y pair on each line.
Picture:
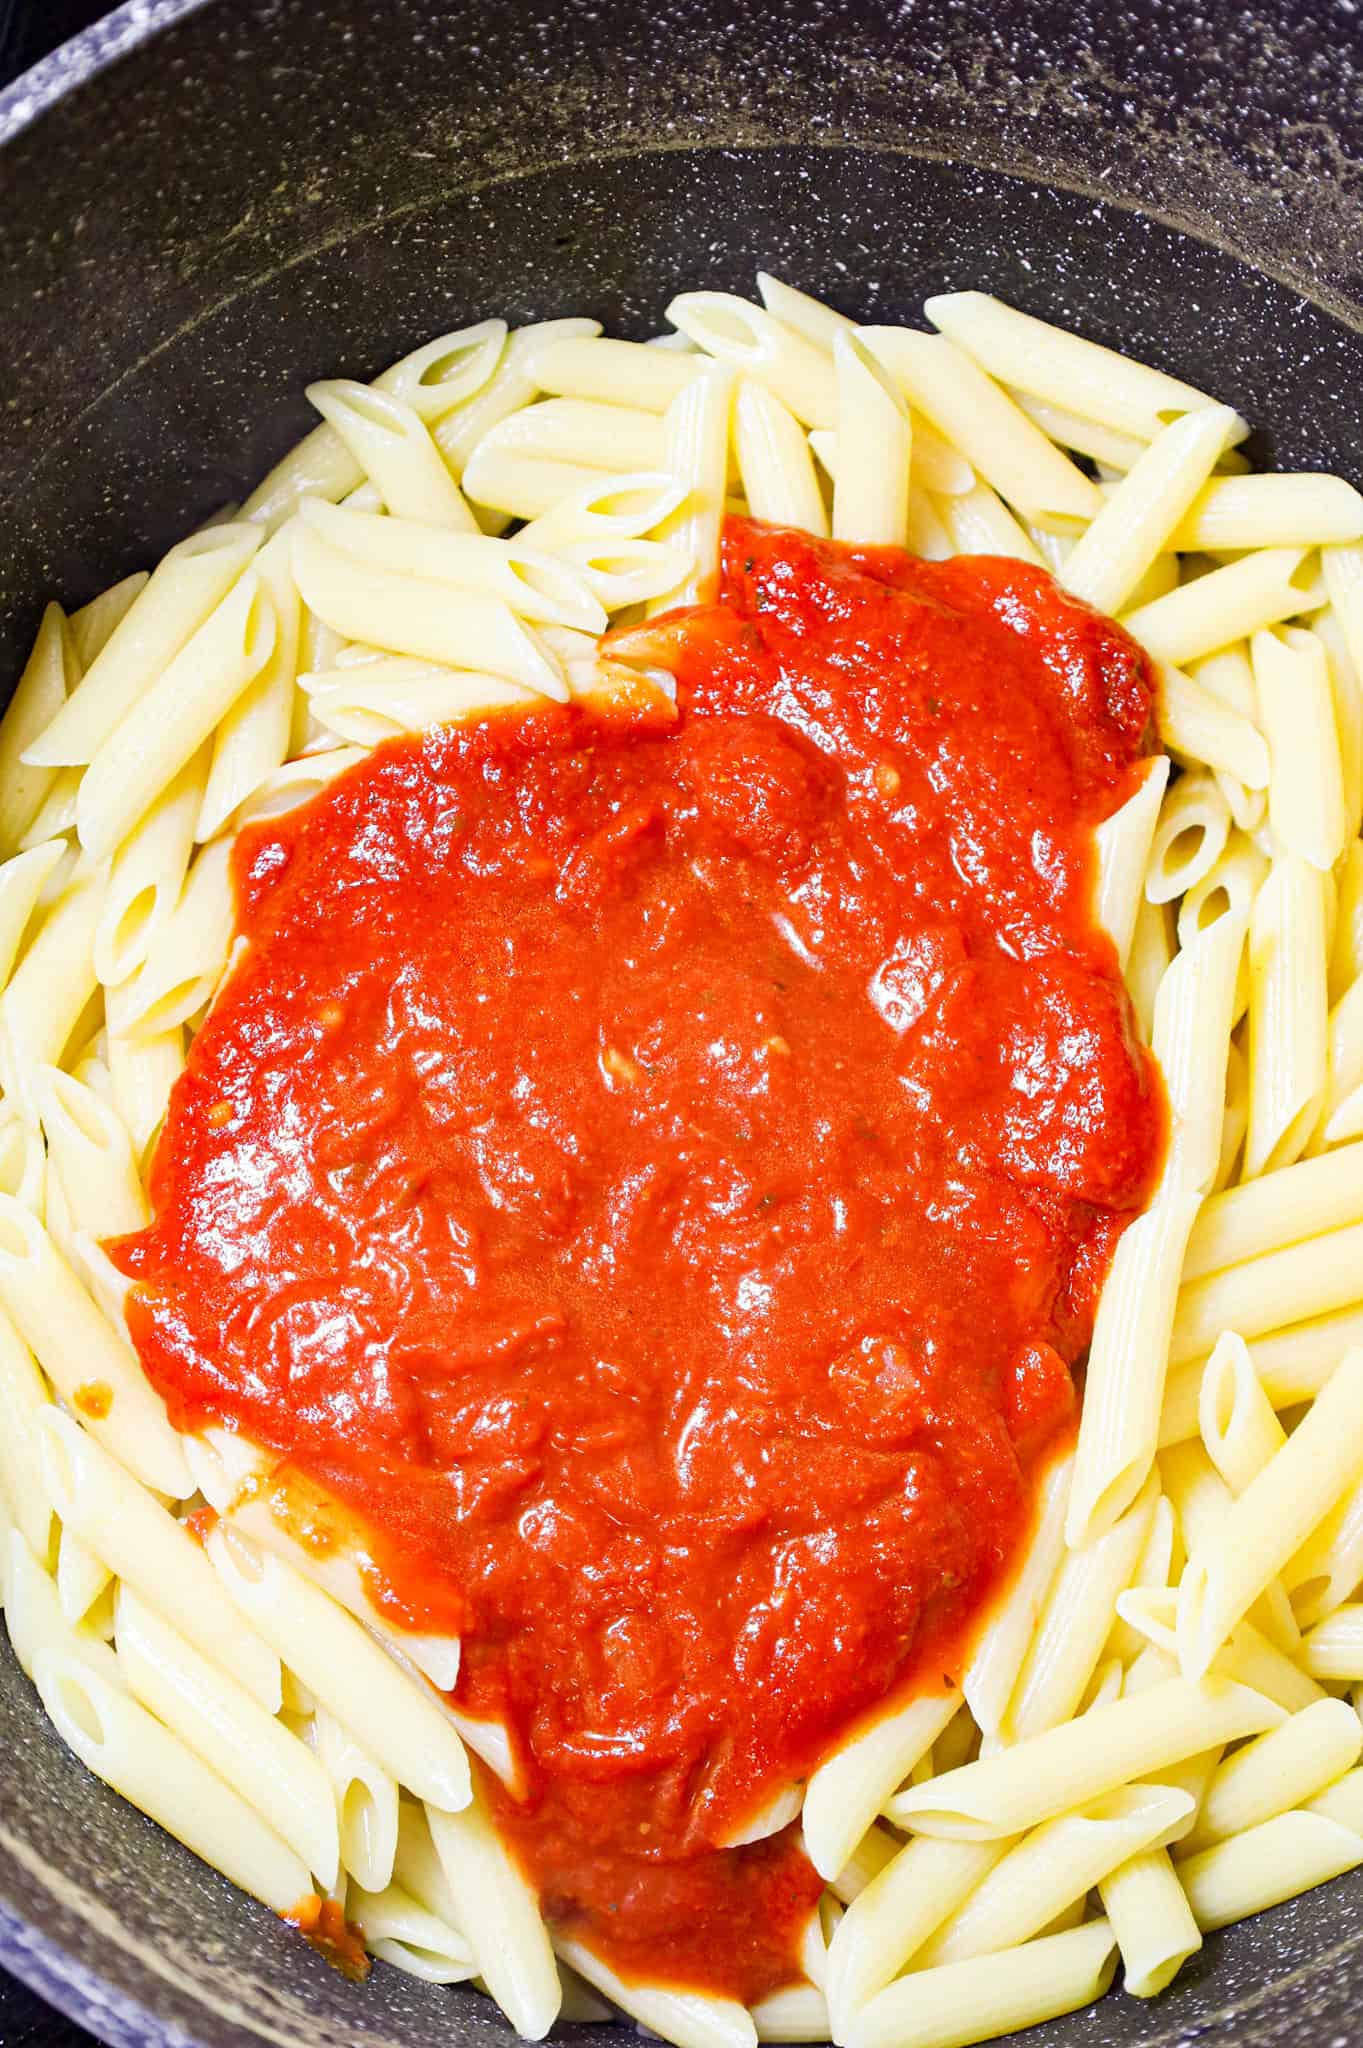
x,y
656,1168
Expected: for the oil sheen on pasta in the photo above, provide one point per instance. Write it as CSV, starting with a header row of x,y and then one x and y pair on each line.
x,y
656,1169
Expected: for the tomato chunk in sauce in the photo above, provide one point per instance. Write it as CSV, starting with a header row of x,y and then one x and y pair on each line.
x,y
654,1169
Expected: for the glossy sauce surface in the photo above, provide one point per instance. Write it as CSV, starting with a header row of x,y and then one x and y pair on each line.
x,y
655,1169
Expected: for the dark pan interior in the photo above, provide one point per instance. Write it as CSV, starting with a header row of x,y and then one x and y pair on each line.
x,y
269,191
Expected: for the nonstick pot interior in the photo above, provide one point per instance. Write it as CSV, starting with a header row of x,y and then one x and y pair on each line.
x,y
195,222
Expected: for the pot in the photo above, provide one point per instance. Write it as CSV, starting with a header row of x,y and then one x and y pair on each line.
x,y
205,206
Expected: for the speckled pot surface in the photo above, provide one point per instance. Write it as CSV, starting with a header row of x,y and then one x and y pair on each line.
x,y
202,206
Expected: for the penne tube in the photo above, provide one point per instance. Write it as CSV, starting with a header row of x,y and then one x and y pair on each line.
x,y
697,429
875,443
89,1363
1332,1651
1056,1865
1197,725
81,1577
1188,840
186,589
756,344
1272,1518
91,1154
927,537
186,960
1117,452
799,2013
395,1717
1075,1622
24,1399
93,625
1229,604
611,372
583,432
1328,1568
627,571
876,1849
978,418
606,508
1297,715
901,1909
22,881
1298,510
1260,1868
148,872
1293,1364
1307,1280
1202,1501
442,377
143,1072
1152,1921
849,1788
1002,1644
497,1912
35,1622
1054,364
414,616
1068,1766
39,696
1148,960
691,2019
56,814
140,1759
1300,1202
144,1545
964,2002
365,1800
252,739
1138,521
538,585
1288,1045
379,701
226,1726
394,450
399,1931
1343,1064
175,715
938,468
979,523
774,461
1282,1769
808,316
49,989
1237,1424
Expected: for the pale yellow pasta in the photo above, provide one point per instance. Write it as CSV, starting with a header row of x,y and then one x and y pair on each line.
x,y
377,701
49,989
938,467
848,1789
583,432
1054,364
148,871
1297,715
799,2013
807,315
186,959
365,1799
613,372
24,1398
39,695
606,508
216,1716
23,1162
140,1758
399,1931
1239,1428
1065,1767
1002,1644
1075,1622
1189,838
964,2002
691,2019
1282,1769
496,1910
1202,1501
876,1849
1293,1363
1332,1651
1136,522
1229,604
875,444
999,441
1147,960
22,880
185,590
56,814
81,1576
1058,1863
901,1909
143,1071
252,739
1328,1568
35,1622
540,586
754,342
1287,1013
414,616
1272,1518
979,523
1198,726
93,625
1152,1921
146,1547
438,379
397,1718
1300,510
1265,1865
1347,700
1303,1200
927,537
91,1154
1343,1065
171,720
1115,450
697,430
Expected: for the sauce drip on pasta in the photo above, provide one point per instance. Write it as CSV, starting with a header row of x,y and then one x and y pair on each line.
x,y
655,1169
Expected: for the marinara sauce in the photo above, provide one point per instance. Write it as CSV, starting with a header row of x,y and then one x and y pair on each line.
x,y
655,1168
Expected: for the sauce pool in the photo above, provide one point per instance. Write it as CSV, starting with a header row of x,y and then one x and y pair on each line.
x,y
654,1168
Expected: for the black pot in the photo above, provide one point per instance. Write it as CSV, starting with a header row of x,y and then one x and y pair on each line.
x,y
203,206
